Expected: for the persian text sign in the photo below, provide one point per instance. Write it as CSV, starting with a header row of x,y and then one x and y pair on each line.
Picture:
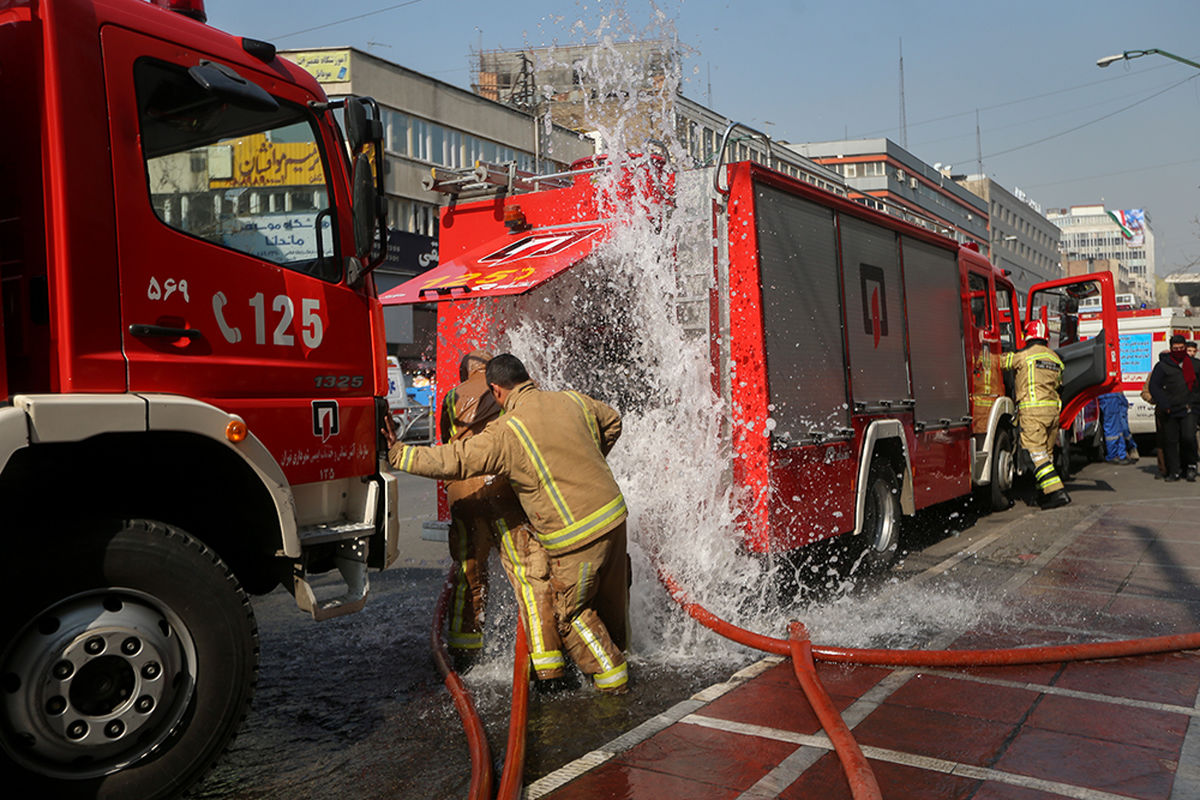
x,y
327,66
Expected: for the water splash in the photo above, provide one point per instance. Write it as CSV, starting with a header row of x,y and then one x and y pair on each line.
x,y
613,327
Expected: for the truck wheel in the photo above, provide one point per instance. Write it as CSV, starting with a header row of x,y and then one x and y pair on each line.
x,y
880,536
1004,469
130,660
1062,457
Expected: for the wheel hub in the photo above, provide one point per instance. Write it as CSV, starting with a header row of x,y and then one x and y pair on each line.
x,y
883,523
94,683
1004,469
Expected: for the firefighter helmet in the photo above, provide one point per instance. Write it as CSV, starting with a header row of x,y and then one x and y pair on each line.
x,y
1035,329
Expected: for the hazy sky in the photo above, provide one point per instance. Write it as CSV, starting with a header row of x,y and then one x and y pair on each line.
x,y
1051,122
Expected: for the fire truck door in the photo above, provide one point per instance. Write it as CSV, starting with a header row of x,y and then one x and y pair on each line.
x,y
230,273
1091,367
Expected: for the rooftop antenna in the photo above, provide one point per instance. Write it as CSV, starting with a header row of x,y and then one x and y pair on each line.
x,y
903,113
978,147
710,84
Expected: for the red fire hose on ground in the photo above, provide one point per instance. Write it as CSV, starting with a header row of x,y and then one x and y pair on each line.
x,y
862,781
803,653
481,755
514,755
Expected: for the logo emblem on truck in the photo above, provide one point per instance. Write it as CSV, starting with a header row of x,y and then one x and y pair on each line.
x,y
874,301
325,418
538,245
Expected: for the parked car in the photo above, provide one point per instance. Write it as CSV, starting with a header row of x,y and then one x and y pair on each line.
x,y
413,419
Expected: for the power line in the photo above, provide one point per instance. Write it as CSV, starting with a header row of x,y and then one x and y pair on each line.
x,y
1091,122
868,134
1112,174
348,19
1025,122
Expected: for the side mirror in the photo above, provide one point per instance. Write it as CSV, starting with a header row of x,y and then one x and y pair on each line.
x,y
361,128
226,84
366,201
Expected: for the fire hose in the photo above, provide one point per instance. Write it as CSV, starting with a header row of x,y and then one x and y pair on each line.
x,y
803,653
481,755
862,781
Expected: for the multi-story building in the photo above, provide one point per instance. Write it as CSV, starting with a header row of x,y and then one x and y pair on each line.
x,y
1093,232
891,178
1020,238
427,124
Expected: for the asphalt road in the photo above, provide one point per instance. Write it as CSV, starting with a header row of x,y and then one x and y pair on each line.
x,y
354,708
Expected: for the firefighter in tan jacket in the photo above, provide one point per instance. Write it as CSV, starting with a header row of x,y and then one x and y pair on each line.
x,y
485,512
551,448
1038,378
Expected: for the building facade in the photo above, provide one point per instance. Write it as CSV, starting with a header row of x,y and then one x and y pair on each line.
x,y
1092,232
429,123
894,180
644,107
1020,238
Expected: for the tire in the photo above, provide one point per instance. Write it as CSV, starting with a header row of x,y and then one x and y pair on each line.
x,y
879,540
1003,471
130,659
1062,457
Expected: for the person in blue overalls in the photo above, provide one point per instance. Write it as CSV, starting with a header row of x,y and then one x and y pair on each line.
x,y
1119,447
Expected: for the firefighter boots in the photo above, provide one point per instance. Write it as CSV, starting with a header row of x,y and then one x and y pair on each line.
x,y
1055,499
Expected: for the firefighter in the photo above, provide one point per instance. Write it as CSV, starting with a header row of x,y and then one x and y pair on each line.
x,y
1038,378
485,512
551,446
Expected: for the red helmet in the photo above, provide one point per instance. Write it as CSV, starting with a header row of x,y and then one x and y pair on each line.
x,y
1035,329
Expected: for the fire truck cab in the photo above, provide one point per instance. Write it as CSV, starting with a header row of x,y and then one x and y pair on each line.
x,y
192,382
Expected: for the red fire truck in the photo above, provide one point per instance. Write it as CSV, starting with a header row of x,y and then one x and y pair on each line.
x,y
193,379
857,354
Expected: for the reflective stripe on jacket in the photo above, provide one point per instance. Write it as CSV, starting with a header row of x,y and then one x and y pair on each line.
x,y
1039,374
551,447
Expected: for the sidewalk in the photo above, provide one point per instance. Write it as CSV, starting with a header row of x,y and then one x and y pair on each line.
x,y
1097,730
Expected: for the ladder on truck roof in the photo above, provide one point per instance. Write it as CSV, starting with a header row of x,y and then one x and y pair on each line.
x,y
487,178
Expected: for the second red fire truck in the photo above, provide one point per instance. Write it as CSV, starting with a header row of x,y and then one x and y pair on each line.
x,y
856,354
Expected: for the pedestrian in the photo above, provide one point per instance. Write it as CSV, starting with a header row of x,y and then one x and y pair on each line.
x,y
551,446
1159,446
484,512
1119,447
1038,378
1175,387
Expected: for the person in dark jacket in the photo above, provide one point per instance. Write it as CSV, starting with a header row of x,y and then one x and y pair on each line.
x,y
1175,386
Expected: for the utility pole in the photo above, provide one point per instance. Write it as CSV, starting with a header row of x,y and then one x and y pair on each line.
x,y
903,112
978,147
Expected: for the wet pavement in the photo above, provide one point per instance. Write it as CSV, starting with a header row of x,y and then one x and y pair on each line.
x,y
354,708
1095,730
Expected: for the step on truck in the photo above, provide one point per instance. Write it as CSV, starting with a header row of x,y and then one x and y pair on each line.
x,y
193,381
857,351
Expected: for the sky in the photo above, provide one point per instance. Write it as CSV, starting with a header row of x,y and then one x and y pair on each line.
x,y
1050,122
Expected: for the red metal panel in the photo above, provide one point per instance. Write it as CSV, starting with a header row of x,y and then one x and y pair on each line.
x,y
812,493
512,263
748,367
461,327
81,249
941,464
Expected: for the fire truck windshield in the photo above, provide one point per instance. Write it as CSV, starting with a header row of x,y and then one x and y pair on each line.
x,y
251,180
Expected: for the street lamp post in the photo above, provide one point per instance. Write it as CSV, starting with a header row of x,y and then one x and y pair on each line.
x,y
1131,54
